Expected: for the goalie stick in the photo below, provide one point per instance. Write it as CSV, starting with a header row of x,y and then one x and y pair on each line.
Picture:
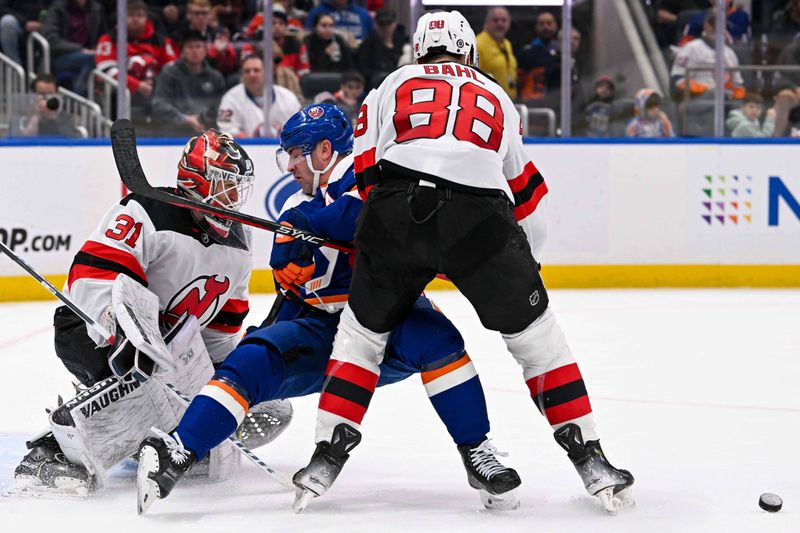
x,y
100,330
274,474
126,157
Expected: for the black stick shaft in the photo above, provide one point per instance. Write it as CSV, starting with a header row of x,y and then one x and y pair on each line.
x,y
58,294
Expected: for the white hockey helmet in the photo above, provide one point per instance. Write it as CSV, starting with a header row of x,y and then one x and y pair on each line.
x,y
445,31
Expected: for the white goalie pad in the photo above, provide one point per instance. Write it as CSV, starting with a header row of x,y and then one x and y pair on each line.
x,y
104,424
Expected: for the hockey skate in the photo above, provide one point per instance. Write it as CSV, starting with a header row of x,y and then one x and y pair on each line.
x,y
325,465
44,472
264,422
612,486
494,482
163,461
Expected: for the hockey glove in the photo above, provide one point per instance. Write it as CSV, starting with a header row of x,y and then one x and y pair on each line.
x,y
127,362
292,260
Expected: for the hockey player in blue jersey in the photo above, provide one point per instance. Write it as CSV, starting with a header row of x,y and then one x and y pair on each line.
x,y
290,357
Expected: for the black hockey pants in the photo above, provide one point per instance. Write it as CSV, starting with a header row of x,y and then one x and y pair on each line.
x,y
407,233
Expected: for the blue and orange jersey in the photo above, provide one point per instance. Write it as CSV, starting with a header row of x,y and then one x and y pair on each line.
x,y
331,212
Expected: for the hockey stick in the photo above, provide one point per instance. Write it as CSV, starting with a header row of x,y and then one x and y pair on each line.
x,y
123,144
247,452
277,476
100,330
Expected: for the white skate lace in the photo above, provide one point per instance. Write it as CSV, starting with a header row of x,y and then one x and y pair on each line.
x,y
483,458
177,453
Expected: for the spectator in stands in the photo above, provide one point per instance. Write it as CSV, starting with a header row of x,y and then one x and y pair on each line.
x,y
540,60
229,14
148,53
785,23
668,24
45,117
221,52
649,120
73,28
347,17
241,112
327,52
787,84
18,18
188,91
495,53
348,97
284,76
745,122
737,26
294,53
379,54
166,15
701,53
598,111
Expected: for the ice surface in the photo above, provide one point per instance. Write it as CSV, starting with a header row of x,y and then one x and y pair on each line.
x,y
696,392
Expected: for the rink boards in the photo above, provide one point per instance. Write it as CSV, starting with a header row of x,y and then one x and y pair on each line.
x,y
682,214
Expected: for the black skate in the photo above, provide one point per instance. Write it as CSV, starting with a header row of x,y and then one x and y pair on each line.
x,y
611,485
495,482
46,472
325,465
163,461
264,422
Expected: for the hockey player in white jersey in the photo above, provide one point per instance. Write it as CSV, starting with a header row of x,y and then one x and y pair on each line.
x,y
449,188
197,266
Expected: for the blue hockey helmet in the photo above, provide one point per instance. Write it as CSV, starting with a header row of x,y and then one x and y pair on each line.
x,y
308,127
316,123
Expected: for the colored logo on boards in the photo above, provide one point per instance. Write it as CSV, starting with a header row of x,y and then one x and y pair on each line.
x,y
727,200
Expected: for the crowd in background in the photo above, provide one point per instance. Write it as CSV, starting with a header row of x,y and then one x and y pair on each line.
x,y
194,64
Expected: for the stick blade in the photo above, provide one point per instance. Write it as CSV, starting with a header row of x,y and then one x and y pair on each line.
x,y
126,157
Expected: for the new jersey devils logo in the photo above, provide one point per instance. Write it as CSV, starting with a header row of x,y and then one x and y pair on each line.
x,y
200,297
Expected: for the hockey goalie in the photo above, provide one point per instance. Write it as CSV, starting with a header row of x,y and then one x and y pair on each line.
x,y
172,285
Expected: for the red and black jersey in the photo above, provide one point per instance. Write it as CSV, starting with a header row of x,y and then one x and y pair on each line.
x,y
162,248
147,55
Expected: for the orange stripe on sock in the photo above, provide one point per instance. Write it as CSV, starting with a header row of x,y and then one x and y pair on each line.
x,y
232,392
429,376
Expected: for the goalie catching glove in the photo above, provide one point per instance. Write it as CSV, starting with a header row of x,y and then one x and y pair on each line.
x,y
292,260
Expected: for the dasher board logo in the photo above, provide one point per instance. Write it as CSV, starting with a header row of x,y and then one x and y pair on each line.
x,y
727,200
278,193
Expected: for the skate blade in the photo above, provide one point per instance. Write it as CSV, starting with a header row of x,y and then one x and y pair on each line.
x,y
33,488
147,490
613,503
302,497
507,501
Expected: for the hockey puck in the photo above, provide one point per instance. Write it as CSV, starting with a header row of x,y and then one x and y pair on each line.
x,y
770,502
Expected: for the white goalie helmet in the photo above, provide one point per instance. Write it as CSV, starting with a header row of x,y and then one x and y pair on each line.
x,y
445,31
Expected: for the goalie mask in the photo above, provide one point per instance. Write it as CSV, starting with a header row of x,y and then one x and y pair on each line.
x,y
216,170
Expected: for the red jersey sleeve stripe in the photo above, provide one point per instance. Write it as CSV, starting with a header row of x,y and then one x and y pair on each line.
x,y
519,183
86,272
522,211
115,255
365,160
